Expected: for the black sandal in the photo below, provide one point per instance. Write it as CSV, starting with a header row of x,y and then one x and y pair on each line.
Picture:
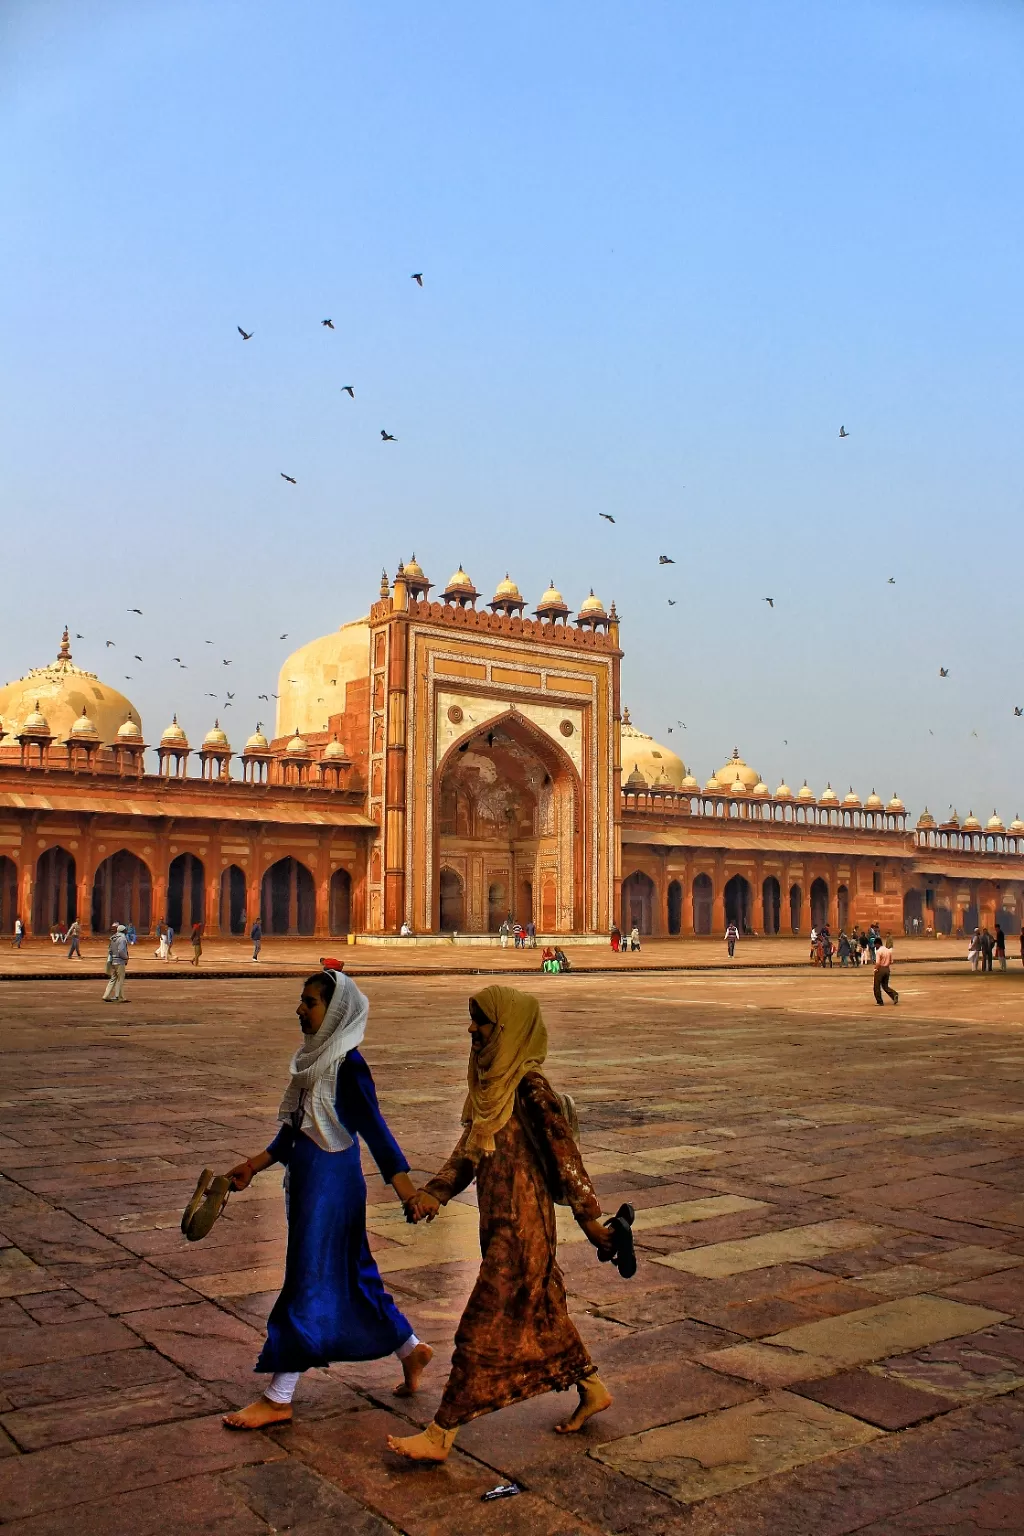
x,y
623,1254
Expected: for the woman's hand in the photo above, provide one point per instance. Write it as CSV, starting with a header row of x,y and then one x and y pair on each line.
x,y
598,1234
421,1207
242,1175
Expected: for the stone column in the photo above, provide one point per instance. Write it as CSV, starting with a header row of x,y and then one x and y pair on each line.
x,y
396,707
686,923
718,907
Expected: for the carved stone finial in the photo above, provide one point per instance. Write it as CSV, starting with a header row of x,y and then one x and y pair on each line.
x,y
385,587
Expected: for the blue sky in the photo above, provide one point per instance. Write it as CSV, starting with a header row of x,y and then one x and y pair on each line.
x,y
668,249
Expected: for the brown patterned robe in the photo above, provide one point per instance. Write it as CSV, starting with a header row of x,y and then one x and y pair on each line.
x,y
515,1339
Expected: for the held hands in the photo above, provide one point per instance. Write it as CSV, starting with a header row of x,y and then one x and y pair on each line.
x,y
421,1207
241,1175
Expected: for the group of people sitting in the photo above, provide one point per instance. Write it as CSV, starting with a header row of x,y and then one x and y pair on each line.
x,y
623,945
554,960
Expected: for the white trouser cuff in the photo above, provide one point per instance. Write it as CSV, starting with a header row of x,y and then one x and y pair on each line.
x,y
407,1348
282,1388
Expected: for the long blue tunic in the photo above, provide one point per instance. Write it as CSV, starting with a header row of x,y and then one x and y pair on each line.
x,y
333,1305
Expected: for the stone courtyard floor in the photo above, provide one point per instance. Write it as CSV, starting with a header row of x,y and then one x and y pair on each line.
x,y
825,1335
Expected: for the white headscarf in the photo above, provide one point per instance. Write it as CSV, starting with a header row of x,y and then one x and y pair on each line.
x,y
313,1088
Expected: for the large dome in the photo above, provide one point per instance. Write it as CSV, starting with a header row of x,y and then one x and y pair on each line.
x,y
63,691
652,759
320,671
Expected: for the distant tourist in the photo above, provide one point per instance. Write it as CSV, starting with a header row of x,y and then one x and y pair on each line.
x,y
814,957
517,935
531,933
634,939
117,961
170,941
256,934
503,933
160,953
974,949
405,932
732,934
883,969
197,942
825,948
19,933
987,946
562,960
845,949
999,945
75,936
131,933
547,959
615,937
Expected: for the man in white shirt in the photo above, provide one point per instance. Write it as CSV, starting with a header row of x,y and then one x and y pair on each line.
x,y
883,966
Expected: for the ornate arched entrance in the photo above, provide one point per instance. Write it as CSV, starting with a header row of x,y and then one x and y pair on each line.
x,y
8,893
288,899
232,900
507,820
341,902
675,907
122,892
771,902
739,903
54,899
703,904
638,898
819,903
186,892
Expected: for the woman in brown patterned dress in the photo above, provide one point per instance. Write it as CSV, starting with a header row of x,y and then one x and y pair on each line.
x,y
515,1339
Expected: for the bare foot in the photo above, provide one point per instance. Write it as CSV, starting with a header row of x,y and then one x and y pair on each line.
x,y
259,1415
594,1398
414,1365
433,1444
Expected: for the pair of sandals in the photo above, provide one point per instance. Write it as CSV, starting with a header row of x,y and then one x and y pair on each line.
x,y
209,1200
623,1254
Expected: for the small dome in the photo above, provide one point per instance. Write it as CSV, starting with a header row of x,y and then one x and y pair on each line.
x,y
215,737
174,736
713,787
851,800
954,820
333,751
783,792
257,742
84,730
297,747
507,588
737,787
689,784
995,823
1016,825
874,802
805,793
761,791
636,779
36,722
971,823
735,769
552,595
896,806
414,570
459,582
829,796
129,731
926,819
591,605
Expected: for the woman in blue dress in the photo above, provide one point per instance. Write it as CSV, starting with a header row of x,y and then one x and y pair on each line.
x,y
333,1305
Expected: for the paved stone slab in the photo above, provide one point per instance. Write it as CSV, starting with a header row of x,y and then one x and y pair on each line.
x,y
33,1346
982,1364
107,1413
195,1506
789,1246
878,1398
19,1275
698,1458
867,1335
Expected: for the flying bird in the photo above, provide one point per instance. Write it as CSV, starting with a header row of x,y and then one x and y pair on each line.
x,y
386,437
665,560
284,636
943,671
329,324
138,658
245,335
228,705
892,581
128,678
347,389
671,602
263,696
79,637
1017,710
607,517
109,644
134,610
211,695
177,659
682,723
770,601
417,277
229,695
974,733
225,663
290,478
843,432
207,642
275,695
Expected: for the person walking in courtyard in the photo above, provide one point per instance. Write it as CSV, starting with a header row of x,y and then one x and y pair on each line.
x,y
197,943
999,947
987,946
160,953
883,969
333,1305
517,935
732,934
531,933
614,937
974,949
75,937
634,940
516,1339
843,949
256,935
117,961
503,933
19,933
